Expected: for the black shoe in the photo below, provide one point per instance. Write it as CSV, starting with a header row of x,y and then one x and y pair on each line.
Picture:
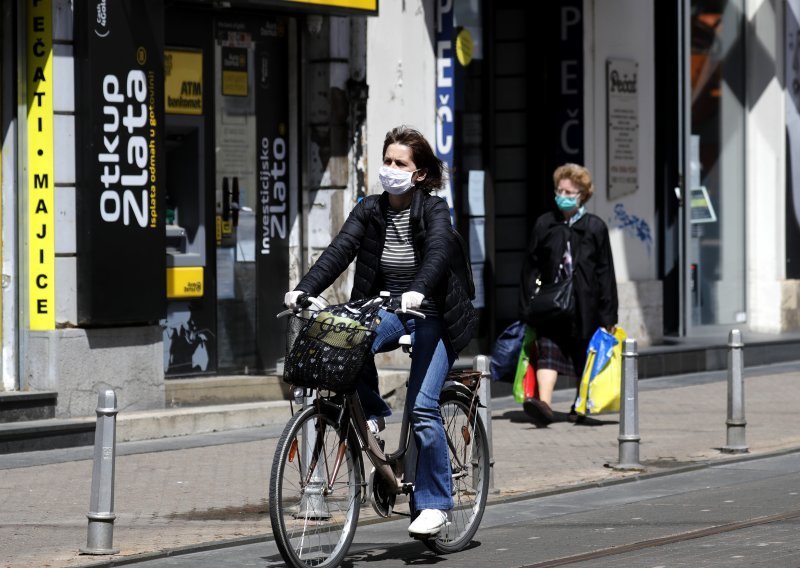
x,y
538,411
576,418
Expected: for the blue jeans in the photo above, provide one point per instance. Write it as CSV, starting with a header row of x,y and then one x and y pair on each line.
x,y
431,360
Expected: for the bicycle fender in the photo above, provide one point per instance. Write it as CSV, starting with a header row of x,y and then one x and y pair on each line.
x,y
461,390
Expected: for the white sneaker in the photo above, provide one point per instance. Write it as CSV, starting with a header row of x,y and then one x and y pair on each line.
x,y
428,523
375,425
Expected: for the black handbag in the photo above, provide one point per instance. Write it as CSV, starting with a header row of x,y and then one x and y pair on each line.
x,y
551,303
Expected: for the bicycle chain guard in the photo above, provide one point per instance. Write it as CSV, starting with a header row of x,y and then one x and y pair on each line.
x,y
382,501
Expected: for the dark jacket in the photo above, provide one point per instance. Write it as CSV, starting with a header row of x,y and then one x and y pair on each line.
x,y
362,238
594,281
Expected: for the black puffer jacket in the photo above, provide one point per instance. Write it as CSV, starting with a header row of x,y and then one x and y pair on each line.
x,y
594,281
362,238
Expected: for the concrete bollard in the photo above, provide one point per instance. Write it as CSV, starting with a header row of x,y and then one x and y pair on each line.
x,y
629,411
736,423
482,363
100,536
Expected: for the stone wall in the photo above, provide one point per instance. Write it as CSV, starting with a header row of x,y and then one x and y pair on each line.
x,y
790,305
641,310
78,363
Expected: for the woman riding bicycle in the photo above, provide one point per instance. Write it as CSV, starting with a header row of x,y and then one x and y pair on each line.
x,y
402,240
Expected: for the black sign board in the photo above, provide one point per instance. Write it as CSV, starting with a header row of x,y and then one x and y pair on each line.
x,y
120,115
565,90
273,156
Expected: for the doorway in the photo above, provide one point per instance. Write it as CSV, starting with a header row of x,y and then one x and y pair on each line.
x,y
700,178
715,222
230,155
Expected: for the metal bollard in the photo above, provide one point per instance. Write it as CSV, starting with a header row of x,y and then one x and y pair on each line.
x,y
482,363
736,423
312,504
100,536
629,411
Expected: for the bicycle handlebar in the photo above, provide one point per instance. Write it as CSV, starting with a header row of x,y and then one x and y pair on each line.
x,y
386,301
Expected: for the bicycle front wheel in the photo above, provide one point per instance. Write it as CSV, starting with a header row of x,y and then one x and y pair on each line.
x,y
469,466
315,490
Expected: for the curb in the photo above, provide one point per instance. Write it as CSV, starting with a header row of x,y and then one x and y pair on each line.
x,y
154,424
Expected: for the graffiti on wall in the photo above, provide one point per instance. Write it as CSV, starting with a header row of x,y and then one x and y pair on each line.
x,y
186,344
633,226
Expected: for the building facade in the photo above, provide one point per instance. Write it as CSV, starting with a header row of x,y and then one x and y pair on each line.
x,y
170,169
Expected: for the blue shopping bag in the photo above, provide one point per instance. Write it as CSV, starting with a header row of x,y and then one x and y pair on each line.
x,y
505,354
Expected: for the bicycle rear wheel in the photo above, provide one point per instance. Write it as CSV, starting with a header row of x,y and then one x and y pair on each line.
x,y
313,509
469,466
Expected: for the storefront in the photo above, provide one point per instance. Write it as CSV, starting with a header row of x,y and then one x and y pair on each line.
x,y
162,183
654,99
231,168
218,154
205,153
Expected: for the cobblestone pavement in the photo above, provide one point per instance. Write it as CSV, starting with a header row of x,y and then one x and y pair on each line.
x,y
184,497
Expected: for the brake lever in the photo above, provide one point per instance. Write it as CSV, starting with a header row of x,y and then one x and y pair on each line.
x,y
316,303
411,312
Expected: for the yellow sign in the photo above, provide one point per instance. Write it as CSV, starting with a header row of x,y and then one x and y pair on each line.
x,y
183,81
41,201
234,83
464,47
185,282
234,71
370,5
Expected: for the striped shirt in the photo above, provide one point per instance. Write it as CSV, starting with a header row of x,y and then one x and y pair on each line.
x,y
399,263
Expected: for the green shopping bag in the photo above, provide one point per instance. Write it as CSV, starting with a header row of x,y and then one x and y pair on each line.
x,y
525,377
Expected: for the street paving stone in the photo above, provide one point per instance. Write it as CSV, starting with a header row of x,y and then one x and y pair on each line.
x,y
179,498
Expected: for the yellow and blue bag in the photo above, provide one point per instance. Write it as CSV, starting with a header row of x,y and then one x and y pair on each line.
x,y
600,383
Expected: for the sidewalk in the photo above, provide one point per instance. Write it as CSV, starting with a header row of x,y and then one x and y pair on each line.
x,y
178,498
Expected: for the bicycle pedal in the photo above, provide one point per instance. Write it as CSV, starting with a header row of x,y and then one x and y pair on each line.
x,y
429,536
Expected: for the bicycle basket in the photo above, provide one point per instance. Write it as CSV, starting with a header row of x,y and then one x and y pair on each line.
x,y
326,351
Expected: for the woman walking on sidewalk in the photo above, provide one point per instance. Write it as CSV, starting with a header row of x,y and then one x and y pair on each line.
x,y
568,241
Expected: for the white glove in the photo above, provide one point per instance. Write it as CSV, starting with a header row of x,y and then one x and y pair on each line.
x,y
410,301
290,299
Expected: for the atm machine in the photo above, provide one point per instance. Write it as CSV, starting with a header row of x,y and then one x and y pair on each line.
x,y
189,338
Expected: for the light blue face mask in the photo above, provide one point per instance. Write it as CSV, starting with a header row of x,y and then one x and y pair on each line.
x,y
566,203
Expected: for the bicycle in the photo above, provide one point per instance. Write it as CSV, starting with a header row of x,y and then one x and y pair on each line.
x,y
317,482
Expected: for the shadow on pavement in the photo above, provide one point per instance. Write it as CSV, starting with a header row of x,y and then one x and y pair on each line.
x,y
519,417
410,553
589,421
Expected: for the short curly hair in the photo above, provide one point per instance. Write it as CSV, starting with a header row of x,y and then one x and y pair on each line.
x,y
421,153
579,176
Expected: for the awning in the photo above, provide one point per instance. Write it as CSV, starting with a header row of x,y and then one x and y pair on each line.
x,y
370,6
357,7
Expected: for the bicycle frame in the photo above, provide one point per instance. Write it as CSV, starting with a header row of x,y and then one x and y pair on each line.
x,y
388,466
391,467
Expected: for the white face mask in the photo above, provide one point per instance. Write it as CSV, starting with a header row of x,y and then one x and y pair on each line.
x,y
395,181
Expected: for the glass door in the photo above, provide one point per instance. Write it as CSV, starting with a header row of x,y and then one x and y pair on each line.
x,y
714,179
253,162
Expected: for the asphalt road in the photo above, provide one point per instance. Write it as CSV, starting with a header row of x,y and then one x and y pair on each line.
x,y
740,514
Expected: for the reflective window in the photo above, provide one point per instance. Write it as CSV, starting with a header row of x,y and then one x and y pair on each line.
x,y
716,244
